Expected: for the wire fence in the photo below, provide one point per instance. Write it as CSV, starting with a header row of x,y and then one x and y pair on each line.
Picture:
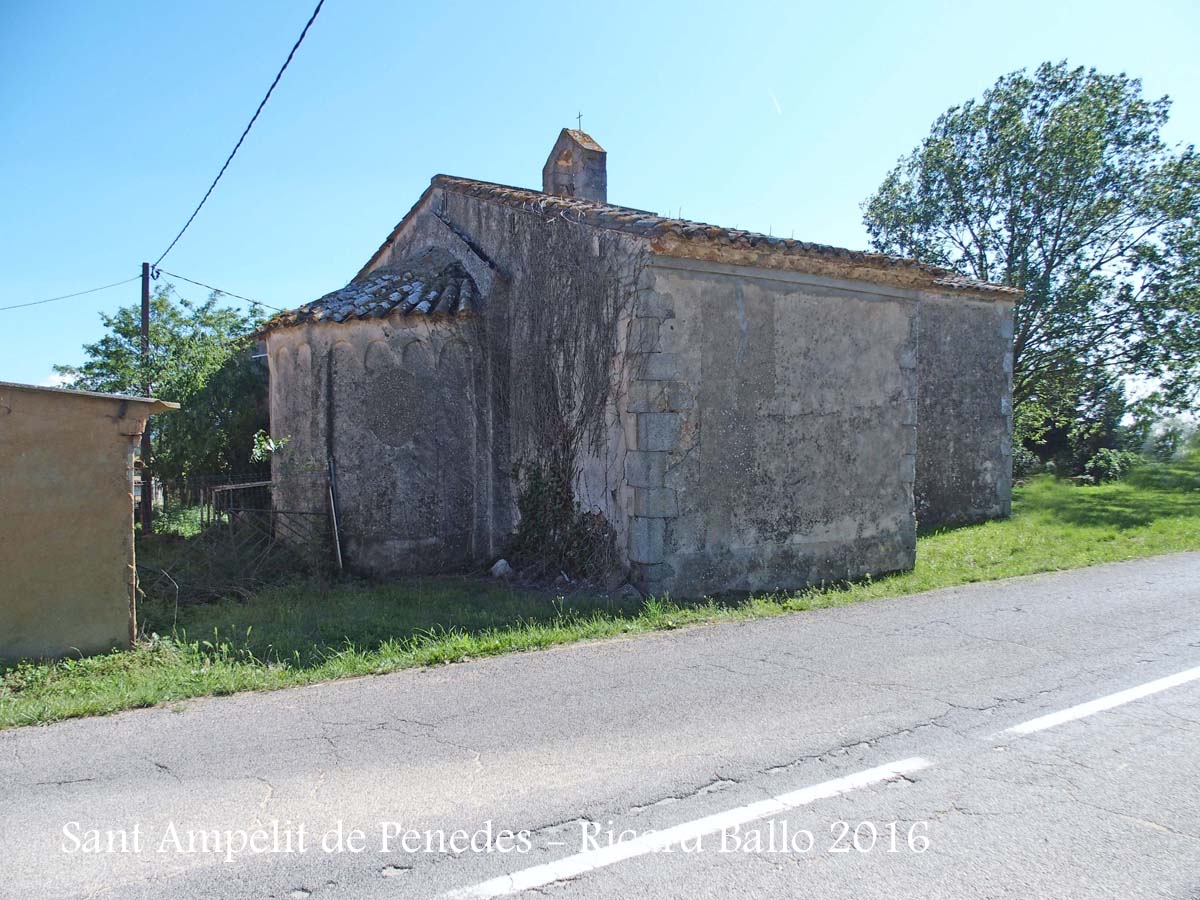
x,y
229,536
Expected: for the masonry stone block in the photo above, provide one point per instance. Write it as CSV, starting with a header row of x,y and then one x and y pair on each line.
x,y
646,539
659,396
643,334
644,469
655,503
660,366
658,431
646,396
654,578
637,397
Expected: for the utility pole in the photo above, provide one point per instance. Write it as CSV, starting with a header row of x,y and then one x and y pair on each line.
x,y
147,499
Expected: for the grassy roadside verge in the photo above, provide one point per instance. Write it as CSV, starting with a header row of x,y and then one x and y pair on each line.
x,y
300,634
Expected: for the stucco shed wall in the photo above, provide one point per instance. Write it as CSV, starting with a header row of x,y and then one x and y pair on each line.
x,y
775,430
66,533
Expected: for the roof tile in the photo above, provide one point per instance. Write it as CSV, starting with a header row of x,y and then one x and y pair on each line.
x,y
434,284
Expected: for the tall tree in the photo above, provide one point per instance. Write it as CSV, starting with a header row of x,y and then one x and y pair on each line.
x,y
1061,184
200,358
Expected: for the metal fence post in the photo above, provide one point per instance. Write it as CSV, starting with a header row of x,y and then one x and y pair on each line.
x,y
333,514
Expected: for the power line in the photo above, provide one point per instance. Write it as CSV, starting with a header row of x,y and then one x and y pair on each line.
x,y
204,199
103,287
253,119
219,290
236,339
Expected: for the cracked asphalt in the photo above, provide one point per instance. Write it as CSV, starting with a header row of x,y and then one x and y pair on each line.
x,y
649,732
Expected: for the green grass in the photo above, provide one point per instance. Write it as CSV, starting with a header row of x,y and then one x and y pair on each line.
x,y
299,634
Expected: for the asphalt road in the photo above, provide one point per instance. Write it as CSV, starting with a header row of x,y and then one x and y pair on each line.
x,y
876,750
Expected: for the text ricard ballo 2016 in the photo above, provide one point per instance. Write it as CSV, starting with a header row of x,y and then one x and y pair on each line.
x,y
387,837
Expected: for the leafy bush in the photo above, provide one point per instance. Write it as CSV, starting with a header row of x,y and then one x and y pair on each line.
x,y
1110,465
1025,462
554,534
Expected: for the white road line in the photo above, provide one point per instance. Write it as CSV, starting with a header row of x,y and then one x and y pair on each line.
x,y
1041,723
571,866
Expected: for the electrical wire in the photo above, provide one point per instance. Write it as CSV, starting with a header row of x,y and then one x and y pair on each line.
x,y
220,290
204,199
236,339
238,145
103,287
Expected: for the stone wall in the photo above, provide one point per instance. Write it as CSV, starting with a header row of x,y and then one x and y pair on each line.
x,y
766,432
420,414
773,430
398,404
506,245
964,447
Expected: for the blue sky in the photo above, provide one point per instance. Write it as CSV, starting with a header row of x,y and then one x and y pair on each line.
x,y
114,118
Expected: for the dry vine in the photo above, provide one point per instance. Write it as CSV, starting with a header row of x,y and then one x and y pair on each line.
x,y
580,285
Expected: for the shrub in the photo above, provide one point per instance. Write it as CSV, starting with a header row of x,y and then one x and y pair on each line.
x,y
1110,465
1025,462
554,533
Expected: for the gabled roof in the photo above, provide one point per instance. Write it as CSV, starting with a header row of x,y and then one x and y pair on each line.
x,y
583,139
432,284
683,237
667,233
437,285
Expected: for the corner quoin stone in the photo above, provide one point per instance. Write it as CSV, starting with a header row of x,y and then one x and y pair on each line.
x,y
655,503
646,539
643,337
659,396
658,431
646,396
660,366
654,576
645,469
